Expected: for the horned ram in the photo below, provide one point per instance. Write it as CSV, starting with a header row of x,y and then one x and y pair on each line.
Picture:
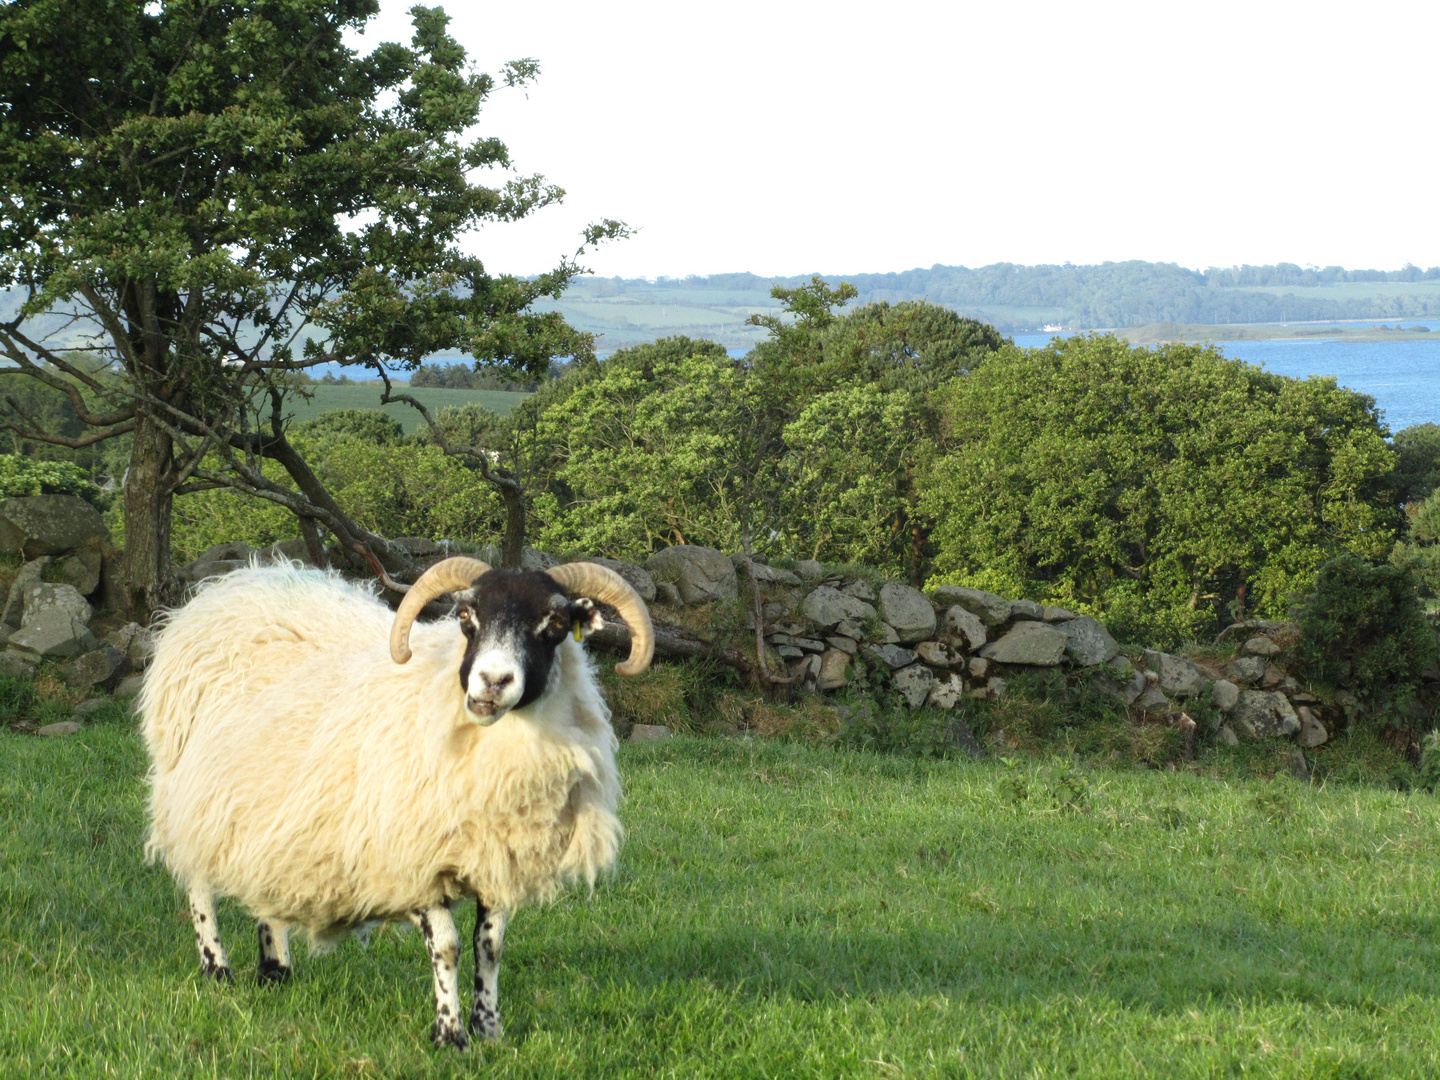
x,y
327,780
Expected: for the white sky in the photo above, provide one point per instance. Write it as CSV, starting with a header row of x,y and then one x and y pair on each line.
x,y
785,138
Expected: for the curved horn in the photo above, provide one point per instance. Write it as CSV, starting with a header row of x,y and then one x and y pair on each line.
x,y
603,584
446,576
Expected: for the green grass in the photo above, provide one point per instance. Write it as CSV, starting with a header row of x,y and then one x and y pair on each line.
x,y
327,398
784,911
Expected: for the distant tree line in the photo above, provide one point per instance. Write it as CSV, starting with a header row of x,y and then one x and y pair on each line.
x,y
465,377
1116,294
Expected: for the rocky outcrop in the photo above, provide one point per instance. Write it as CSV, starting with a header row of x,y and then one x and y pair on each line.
x,y
699,575
36,525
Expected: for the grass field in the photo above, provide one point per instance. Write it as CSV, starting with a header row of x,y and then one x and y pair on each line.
x,y
326,398
783,911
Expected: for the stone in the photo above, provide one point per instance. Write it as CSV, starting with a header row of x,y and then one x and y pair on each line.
x,y
946,693
1312,731
1056,614
90,705
959,735
996,686
861,590
848,645
290,551
993,610
1224,695
809,644
935,654
1273,678
978,666
419,546
1178,676
851,629
56,623
64,727
80,569
102,669
35,525
807,668
1260,645
1026,609
809,570
635,575
883,633
1088,643
649,733
135,641
1262,714
31,573
702,575
1247,670
201,569
17,665
833,663
1290,686
535,559
914,683
789,652
1250,627
235,550
892,656
1297,767
907,611
130,685
665,593
827,607
963,629
1152,698
1037,644
1226,736
764,574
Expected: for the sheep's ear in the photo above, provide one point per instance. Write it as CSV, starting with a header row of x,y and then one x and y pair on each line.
x,y
586,619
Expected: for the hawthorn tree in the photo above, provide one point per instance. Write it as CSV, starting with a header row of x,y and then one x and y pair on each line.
x,y
211,195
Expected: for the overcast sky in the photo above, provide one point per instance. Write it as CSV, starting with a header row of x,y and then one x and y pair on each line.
x,y
785,138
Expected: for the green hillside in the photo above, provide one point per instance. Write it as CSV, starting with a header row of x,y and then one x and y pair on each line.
x,y
328,397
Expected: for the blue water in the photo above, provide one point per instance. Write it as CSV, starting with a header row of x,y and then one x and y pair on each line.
x,y
1402,376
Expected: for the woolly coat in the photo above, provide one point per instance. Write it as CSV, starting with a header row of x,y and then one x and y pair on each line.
x,y
298,768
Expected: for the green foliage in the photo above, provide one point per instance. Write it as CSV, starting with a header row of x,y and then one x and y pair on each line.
x,y
205,518
347,425
1362,628
1420,550
1148,486
465,377
914,344
23,476
1429,771
1417,462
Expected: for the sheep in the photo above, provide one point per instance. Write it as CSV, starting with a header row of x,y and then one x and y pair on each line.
x,y
326,786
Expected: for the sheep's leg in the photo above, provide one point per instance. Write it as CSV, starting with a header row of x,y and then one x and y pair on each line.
x,y
489,938
442,941
213,961
274,951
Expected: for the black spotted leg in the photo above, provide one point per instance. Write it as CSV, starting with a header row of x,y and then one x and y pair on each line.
x,y
442,942
489,938
274,951
213,961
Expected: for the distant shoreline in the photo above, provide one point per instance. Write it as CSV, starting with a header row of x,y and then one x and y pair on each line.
x,y
1199,333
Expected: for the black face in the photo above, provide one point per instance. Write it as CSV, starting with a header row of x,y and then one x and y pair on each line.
x,y
514,621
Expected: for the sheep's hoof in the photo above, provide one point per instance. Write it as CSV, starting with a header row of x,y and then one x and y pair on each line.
x,y
448,1032
485,1025
272,973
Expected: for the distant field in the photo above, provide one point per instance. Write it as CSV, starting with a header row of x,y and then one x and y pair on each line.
x,y
328,398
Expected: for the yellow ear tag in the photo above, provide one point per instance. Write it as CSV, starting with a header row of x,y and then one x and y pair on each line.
x,y
578,635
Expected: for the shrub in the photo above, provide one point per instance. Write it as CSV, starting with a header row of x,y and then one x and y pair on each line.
x,y
1363,628
22,476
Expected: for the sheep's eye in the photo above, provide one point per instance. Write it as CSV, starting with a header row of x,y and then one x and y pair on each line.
x,y
467,622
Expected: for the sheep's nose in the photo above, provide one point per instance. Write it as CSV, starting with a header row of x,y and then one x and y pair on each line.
x,y
497,682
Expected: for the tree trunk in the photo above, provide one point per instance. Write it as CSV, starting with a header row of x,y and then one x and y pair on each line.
x,y
514,544
147,578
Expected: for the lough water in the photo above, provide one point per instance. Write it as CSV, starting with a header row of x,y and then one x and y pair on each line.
x,y
1402,376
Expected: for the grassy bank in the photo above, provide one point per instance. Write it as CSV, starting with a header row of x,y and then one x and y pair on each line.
x,y
326,398
1165,333
784,911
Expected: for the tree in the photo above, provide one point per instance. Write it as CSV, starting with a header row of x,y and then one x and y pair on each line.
x,y
209,196
1153,487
